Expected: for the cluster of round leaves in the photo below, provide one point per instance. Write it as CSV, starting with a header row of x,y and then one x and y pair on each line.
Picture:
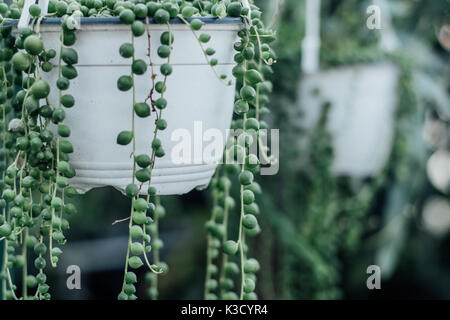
x,y
251,227
253,66
144,162
231,270
35,157
139,67
216,229
132,12
253,59
143,239
141,8
140,239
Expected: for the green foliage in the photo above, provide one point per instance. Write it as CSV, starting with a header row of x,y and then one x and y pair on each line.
x,y
254,60
37,160
318,218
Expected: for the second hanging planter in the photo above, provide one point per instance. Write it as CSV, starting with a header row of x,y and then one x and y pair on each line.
x,y
361,119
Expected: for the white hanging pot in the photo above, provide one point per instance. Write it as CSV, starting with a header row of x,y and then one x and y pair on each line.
x,y
196,97
363,99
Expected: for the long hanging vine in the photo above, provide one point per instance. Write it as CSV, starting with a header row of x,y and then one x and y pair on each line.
x,y
35,156
253,59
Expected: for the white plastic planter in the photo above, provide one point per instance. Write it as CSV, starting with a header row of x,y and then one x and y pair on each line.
x,y
361,117
101,111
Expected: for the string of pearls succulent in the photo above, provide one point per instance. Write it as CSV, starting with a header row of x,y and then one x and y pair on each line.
x,y
253,60
35,153
35,183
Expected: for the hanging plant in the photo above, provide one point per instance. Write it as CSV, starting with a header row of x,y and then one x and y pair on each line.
x,y
56,143
254,59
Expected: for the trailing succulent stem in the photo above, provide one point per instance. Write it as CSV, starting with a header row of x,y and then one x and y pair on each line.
x,y
34,184
253,60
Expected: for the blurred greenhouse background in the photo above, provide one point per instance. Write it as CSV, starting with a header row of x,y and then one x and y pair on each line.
x,y
364,168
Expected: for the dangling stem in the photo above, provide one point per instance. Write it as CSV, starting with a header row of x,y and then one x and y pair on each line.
x,y
155,237
11,285
130,224
128,246
209,240
5,130
25,267
241,239
133,116
147,262
204,51
5,260
224,238
57,155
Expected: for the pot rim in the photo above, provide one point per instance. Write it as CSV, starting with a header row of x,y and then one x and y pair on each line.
x,y
116,20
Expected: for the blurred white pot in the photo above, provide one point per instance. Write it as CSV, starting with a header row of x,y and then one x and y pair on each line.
x,y
361,117
101,111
